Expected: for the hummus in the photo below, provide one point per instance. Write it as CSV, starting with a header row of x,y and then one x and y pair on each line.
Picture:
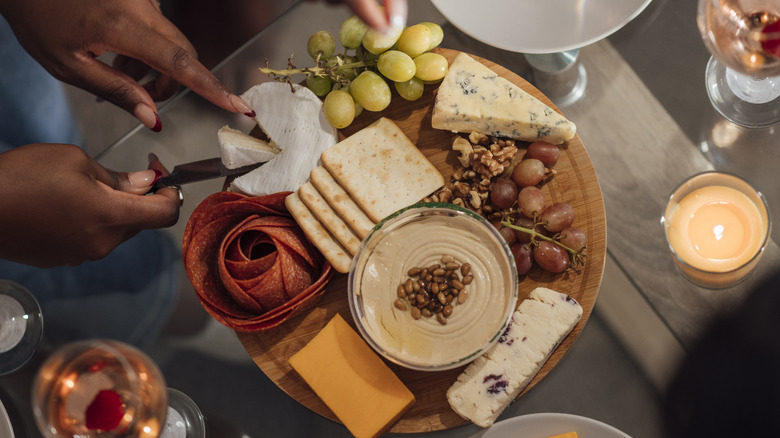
x,y
421,240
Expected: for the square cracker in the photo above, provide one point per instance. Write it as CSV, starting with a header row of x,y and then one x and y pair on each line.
x,y
329,218
341,202
338,257
381,169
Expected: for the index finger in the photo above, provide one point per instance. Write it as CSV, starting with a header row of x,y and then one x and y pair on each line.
x,y
393,15
183,66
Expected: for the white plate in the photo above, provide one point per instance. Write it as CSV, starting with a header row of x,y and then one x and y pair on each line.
x,y
5,423
539,26
549,424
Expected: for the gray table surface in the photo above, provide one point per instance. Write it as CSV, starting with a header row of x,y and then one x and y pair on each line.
x,y
645,121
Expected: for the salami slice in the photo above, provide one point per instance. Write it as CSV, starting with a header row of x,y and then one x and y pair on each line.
x,y
250,264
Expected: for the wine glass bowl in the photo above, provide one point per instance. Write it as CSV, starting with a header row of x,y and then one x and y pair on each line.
x,y
742,80
99,388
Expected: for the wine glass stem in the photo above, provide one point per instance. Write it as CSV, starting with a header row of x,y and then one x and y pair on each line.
x,y
751,89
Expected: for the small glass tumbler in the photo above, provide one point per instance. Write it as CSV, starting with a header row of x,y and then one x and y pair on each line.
x,y
716,226
21,326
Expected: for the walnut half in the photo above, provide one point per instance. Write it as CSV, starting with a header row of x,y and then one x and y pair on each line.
x,y
464,147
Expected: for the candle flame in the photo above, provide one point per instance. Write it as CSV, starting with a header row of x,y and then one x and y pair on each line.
x,y
718,230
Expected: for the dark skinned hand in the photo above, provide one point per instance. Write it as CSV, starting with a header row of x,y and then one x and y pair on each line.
x,y
61,207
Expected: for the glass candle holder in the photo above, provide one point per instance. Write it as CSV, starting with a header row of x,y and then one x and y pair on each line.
x,y
716,226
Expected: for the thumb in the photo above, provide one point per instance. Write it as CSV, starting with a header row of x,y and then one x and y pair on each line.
x,y
137,182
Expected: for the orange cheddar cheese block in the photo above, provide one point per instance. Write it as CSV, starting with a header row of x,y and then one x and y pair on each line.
x,y
352,380
565,435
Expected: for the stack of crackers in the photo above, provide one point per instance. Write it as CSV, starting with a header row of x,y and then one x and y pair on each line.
x,y
363,179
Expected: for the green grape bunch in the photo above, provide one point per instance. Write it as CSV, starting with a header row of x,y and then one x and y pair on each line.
x,y
360,76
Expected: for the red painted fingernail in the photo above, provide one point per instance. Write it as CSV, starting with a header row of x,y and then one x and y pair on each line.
x,y
148,117
157,124
241,106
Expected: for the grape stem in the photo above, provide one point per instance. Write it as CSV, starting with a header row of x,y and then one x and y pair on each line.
x,y
336,72
577,256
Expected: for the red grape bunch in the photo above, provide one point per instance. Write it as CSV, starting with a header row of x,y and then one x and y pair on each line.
x,y
537,232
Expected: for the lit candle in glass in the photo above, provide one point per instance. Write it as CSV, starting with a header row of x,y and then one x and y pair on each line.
x,y
716,226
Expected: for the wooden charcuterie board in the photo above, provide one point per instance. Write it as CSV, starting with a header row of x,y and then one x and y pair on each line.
x,y
575,183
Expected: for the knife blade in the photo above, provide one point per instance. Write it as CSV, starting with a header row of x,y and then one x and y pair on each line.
x,y
201,170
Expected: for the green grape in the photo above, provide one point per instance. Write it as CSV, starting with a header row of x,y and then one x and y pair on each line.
x,y
351,32
431,66
415,40
319,85
411,89
321,42
358,109
377,42
370,91
396,66
437,33
339,108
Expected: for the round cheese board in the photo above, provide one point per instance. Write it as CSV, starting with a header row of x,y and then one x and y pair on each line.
x,y
575,183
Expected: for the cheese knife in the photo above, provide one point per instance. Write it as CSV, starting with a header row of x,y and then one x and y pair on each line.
x,y
200,171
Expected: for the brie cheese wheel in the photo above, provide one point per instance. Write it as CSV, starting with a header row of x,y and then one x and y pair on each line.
x,y
294,121
238,149
473,97
490,383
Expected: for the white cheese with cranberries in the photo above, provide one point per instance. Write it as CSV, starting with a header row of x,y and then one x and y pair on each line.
x,y
473,97
490,383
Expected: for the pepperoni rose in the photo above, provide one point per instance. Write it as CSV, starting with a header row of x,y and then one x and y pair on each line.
x,y
249,262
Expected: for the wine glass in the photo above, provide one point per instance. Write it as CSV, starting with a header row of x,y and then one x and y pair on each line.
x,y
99,388
185,419
743,74
21,326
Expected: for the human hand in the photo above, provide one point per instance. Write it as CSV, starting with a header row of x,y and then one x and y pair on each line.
x,y
65,36
60,207
392,15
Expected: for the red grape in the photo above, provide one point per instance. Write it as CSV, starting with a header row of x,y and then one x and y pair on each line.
x,y
508,234
558,217
551,257
528,172
525,222
574,238
530,200
503,193
543,151
522,254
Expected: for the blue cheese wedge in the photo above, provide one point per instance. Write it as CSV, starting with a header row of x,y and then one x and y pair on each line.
x,y
473,97
490,383
296,124
238,149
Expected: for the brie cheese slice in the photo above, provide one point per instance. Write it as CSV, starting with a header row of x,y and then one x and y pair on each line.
x,y
296,124
238,149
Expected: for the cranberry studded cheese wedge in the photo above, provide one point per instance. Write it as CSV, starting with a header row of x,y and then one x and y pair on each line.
x,y
473,97
294,122
490,383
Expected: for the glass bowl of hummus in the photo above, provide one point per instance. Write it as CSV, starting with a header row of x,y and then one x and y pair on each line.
x,y
432,287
